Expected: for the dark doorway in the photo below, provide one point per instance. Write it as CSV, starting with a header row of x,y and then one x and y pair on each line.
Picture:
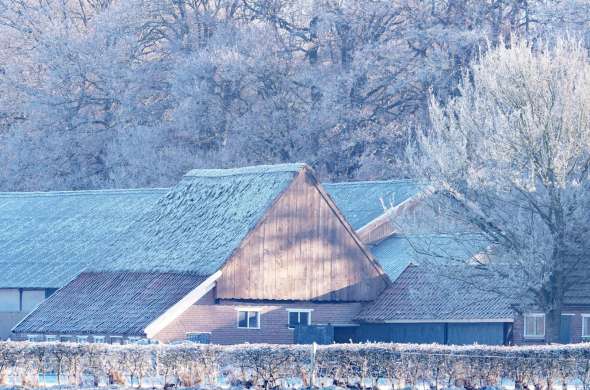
x,y
565,329
345,334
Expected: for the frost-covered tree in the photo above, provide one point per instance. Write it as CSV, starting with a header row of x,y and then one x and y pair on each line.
x,y
113,93
508,160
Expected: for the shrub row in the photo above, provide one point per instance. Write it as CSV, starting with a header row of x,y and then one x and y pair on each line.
x,y
275,366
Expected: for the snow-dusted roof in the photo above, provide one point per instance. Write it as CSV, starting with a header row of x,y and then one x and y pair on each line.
x,y
47,238
197,226
397,252
363,201
112,303
421,295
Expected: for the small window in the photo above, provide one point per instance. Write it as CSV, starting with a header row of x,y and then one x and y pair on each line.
x,y
51,338
34,337
65,338
585,325
248,319
82,339
98,339
534,326
299,317
116,340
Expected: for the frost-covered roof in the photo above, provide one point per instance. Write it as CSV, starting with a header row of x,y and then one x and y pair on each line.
x,y
197,226
112,303
363,201
394,254
47,238
397,252
420,295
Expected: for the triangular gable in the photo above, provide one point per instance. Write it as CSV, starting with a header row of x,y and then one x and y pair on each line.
x,y
302,249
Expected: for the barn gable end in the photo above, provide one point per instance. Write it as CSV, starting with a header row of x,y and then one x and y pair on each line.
x,y
302,249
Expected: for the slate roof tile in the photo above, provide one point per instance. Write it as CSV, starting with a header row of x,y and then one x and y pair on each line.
x,y
421,295
109,303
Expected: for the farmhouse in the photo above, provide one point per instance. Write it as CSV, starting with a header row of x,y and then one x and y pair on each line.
x,y
256,254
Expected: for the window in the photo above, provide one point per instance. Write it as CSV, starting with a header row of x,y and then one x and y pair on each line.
x,y
51,338
248,319
534,326
82,339
98,339
116,339
585,325
299,317
34,337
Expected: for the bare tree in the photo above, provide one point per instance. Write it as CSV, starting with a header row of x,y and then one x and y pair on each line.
x,y
508,162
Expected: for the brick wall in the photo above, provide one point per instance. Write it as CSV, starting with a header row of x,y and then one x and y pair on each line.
x,y
220,319
575,314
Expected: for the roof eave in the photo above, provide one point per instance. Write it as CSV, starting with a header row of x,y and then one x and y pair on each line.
x,y
438,321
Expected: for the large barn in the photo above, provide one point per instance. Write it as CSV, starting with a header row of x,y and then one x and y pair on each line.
x,y
255,254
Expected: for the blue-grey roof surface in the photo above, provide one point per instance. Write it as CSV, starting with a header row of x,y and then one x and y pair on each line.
x,y
363,201
197,226
112,303
397,252
419,294
47,238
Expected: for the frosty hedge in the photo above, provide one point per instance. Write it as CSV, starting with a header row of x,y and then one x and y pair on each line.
x,y
273,366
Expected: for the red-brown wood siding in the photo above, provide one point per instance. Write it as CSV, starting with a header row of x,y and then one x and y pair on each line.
x,y
301,250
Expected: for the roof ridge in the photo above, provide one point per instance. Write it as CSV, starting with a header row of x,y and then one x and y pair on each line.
x,y
247,170
365,182
109,191
419,235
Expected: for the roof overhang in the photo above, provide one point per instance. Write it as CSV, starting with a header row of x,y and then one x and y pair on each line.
x,y
439,321
165,319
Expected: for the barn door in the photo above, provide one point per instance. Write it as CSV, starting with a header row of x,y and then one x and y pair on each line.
x,y
565,328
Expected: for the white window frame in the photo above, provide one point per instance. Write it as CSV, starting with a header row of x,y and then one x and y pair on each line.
x,y
34,337
248,310
99,339
50,338
585,331
118,339
308,311
82,339
534,315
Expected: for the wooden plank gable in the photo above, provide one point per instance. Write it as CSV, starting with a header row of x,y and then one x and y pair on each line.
x,y
302,249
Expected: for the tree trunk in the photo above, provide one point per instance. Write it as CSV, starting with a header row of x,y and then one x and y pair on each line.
x,y
553,325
